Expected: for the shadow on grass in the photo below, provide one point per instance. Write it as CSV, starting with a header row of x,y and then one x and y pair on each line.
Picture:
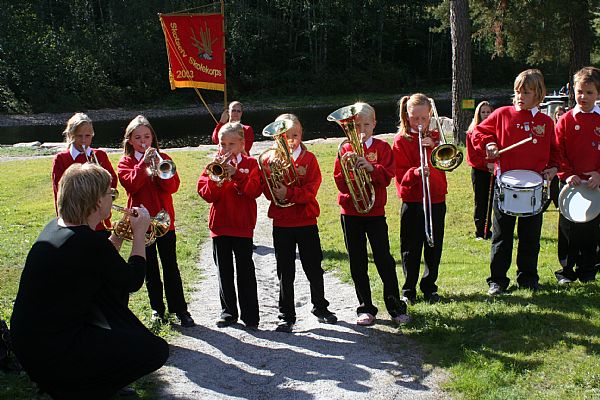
x,y
515,329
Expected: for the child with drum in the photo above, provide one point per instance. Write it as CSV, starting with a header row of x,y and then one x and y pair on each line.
x,y
482,178
578,136
533,154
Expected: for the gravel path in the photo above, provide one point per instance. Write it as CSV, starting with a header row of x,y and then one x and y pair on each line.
x,y
316,361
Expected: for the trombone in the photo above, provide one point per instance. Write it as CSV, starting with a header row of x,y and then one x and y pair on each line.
x,y
426,191
446,156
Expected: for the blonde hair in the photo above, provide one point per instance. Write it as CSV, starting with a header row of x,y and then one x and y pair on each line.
x,y
233,103
295,122
73,123
133,124
532,79
588,75
408,103
235,129
365,111
79,190
477,117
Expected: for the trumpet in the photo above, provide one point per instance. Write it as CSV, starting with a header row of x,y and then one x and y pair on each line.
x,y
164,169
92,157
279,168
159,225
446,156
426,191
217,170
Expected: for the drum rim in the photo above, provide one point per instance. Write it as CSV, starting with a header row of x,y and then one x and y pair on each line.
x,y
541,178
567,193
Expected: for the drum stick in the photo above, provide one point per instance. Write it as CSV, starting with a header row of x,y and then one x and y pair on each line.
x,y
512,146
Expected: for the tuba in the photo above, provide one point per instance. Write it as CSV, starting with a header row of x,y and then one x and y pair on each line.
x,y
216,169
446,156
358,180
276,163
159,225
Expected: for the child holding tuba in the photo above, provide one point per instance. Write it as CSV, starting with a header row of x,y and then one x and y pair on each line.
x,y
362,220
137,172
295,224
231,223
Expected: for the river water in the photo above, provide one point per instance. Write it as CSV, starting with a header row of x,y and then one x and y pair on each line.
x,y
182,131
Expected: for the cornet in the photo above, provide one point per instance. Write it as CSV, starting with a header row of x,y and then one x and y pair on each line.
x,y
159,225
217,170
164,169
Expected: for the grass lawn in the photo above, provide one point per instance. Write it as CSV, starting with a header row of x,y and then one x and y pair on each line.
x,y
519,346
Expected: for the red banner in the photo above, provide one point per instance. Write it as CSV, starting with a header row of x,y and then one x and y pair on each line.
x,y
196,50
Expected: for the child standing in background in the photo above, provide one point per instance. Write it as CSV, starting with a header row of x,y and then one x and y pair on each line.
x,y
415,111
78,135
140,151
378,161
578,136
296,225
504,127
231,223
482,176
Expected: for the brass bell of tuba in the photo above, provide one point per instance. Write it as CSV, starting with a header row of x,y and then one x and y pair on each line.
x,y
159,225
446,156
276,163
360,185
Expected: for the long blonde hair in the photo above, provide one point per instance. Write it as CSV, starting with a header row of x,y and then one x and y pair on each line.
x,y
75,122
477,117
406,103
133,124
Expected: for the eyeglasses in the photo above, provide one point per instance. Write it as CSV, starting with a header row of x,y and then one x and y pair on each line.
x,y
114,193
234,110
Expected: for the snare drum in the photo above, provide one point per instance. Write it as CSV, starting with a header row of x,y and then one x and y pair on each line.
x,y
521,193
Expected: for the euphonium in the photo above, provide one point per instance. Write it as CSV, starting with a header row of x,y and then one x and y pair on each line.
x,y
164,169
216,169
159,225
446,156
358,180
276,163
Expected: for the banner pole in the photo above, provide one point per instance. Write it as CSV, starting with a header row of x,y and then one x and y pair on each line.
x,y
224,58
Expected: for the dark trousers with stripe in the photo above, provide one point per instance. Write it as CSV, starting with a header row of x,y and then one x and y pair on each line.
x,y
173,286
413,243
529,231
307,239
356,232
224,249
481,194
581,242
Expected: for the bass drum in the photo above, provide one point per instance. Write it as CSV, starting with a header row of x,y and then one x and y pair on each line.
x,y
521,193
579,203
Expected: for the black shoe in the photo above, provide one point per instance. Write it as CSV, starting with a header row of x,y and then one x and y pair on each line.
x,y
495,289
564,281
325,316
409,300
396,306
225,322
185,319
285,326
433,298
252,327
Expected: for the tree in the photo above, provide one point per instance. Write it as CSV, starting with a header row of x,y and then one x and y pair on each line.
x,y
460,30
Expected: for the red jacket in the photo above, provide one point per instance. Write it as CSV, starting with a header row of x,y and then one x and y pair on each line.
x,y
409,185
154,193
64,160
248,136
304,194
506,126
578,139
233,204
381,157
475,158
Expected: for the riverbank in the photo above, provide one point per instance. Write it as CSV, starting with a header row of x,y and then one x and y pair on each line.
x,y
250,105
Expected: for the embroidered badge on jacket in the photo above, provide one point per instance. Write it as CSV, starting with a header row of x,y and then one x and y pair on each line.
x,y
597,131
301,170
539,129
372,157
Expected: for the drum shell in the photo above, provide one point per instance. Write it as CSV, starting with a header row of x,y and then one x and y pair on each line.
x,y
520,193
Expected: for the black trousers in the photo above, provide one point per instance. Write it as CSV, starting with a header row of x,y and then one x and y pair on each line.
x,y
481,195
173,288
356,231
224,248
104,360
413,242
285,240
529,230
581,242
